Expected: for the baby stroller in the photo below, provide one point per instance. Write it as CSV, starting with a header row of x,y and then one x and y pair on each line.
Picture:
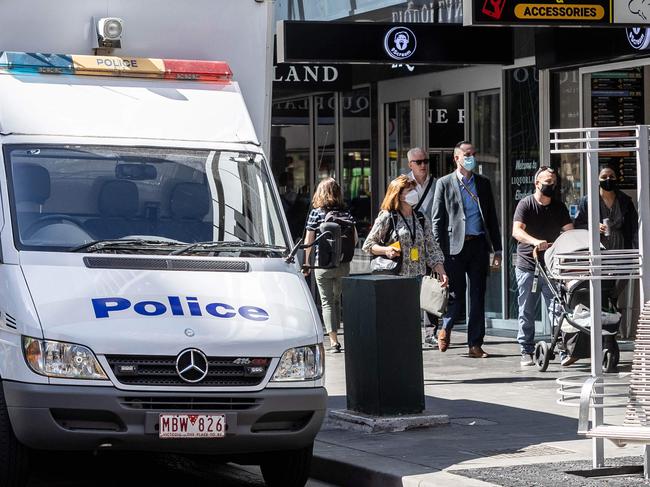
x,y
570,316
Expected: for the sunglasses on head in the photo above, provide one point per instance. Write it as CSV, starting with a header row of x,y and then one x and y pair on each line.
x,y
419,162
544,169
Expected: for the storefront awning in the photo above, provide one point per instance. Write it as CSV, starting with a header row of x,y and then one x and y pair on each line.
x,y
388,43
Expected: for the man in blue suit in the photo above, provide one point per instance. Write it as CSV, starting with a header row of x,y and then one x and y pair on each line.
x,y
466,227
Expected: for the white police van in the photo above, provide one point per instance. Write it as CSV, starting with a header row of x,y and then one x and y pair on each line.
x,y
146,302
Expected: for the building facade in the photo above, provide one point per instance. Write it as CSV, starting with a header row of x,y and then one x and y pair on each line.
x,y
356,122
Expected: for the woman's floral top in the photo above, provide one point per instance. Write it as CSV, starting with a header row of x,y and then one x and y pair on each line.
x,y
428,250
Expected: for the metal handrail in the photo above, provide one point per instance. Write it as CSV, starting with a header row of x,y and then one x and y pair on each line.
x,y
587,396
627,138
595,129
593,150
613,265
590,142
569,384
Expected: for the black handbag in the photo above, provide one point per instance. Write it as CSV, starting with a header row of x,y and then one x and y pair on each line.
x,y
383,265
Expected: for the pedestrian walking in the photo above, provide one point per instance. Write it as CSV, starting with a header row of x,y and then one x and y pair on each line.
x,y
618,229
538,221
466,227
417,247
425,184
328,198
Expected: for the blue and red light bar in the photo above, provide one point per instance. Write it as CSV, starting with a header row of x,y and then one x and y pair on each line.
x,y
132,67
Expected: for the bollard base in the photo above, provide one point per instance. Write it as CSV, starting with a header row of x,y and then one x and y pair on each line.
x,y
354,421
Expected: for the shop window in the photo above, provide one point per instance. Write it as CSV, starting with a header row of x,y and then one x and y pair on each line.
x,y
617,99
290,159
325,106
565,113
446,119
521,159
356,164
398,138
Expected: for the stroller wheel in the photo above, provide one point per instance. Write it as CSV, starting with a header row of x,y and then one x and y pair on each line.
x,y
542,355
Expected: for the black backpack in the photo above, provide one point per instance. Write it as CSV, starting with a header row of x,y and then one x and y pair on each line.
x,y
345,221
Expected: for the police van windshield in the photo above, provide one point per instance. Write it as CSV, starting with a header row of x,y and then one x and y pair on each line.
x,y
64,197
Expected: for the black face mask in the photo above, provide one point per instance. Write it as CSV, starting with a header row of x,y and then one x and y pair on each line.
x,y
548,189
608,184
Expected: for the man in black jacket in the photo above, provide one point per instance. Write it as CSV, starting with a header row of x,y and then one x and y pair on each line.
x,y
466,228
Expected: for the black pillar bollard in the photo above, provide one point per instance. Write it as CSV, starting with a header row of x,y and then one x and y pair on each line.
x,y
383,345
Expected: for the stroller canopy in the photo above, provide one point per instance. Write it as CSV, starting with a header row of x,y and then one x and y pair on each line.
x,y
567,242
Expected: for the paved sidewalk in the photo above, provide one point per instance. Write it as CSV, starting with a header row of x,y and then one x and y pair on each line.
x,y
501,414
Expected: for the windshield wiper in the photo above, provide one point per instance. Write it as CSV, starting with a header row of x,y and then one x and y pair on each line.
x,y
96,245
229,246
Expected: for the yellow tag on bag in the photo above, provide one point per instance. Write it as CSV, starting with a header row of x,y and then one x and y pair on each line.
x,y
415,254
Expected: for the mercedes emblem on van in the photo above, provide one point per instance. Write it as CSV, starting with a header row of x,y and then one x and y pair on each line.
x,y
192,365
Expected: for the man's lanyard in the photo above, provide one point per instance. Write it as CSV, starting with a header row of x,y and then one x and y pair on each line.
x,y
424,195
469,191
411,230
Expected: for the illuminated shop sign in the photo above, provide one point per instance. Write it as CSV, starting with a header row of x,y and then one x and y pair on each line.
x,y
387,43
602,13
638,37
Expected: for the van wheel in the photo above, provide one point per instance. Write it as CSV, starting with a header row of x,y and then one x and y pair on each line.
x,y
14,457
288,468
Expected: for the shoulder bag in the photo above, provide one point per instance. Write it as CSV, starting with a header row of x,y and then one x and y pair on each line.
x,y
381,264
433,297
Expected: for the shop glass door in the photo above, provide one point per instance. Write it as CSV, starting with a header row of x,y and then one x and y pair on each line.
x,y
441,162
398,138
485,134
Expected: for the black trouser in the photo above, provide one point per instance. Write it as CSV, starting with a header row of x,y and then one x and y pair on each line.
x,y
472,261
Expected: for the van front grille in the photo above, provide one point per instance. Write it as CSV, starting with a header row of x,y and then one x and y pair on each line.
x,y
161,371
162,264
207,403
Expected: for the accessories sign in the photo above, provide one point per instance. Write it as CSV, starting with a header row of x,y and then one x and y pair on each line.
x,y
557,12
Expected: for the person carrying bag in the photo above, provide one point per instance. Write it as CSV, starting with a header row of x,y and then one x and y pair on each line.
x,y
417,248
433,295
383,265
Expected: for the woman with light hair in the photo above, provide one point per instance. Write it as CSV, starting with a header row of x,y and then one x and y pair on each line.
x,y
417,247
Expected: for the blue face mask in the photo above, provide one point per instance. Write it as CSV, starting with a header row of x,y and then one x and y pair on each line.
x,y
469,163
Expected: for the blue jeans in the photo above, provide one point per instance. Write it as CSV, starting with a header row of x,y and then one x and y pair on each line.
x,y
527,301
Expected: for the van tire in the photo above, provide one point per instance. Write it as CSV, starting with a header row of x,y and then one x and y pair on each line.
x,y
14,456
288,468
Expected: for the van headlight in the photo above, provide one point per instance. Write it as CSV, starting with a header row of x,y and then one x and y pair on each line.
x,y
301,363
59,359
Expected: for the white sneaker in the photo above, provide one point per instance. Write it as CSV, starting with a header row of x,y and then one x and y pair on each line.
x,y
527,359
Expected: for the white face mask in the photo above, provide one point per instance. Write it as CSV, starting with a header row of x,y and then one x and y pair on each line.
x,y
412,198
